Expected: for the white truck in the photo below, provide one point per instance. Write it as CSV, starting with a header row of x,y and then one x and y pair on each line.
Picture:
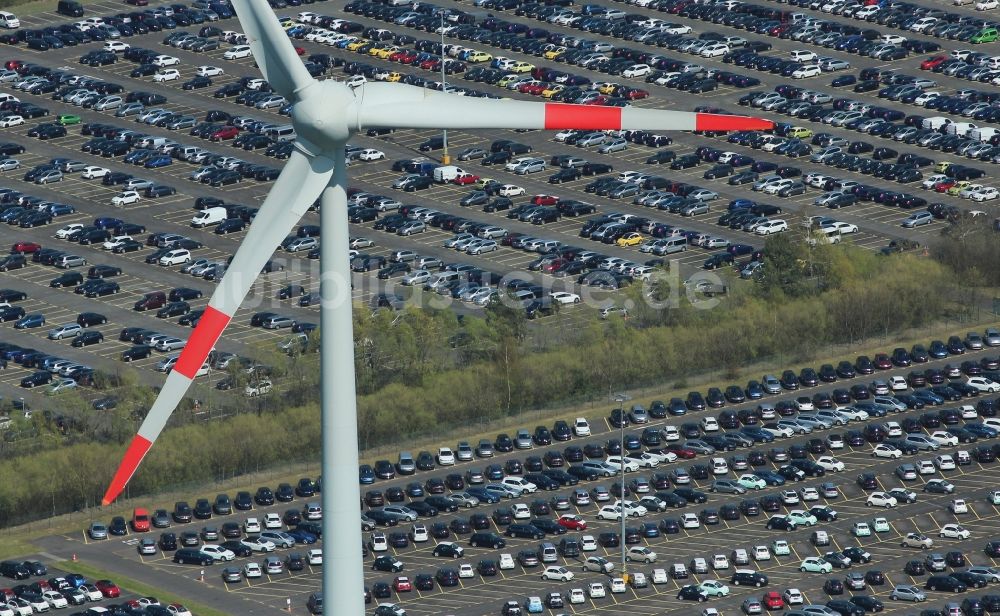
x,y
447,173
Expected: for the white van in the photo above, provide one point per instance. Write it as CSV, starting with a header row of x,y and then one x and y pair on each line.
x,y
825,235
447,173
960,128
934,123
208,217
675,244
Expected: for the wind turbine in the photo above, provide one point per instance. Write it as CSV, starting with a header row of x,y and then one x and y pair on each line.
x,y
325,114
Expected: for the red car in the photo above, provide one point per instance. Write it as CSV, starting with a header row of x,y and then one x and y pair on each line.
x,y
682,452
597,101
463,179
13,65
553,265
572,522
772,600
882,361
933,62
108,588
25,248
300,50
140,520
944,185
430,65
407,56
534,89
226,132
635,94
402,584
545,200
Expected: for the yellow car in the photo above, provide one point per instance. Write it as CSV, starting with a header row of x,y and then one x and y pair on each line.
x,y
356,45
394,77
506,79
552,54
483,182
800,132
630,239
608,88
942,167
522,67
480,56
957,188
552,90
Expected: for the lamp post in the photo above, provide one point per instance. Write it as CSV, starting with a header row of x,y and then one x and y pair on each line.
x,y
621,398
445,159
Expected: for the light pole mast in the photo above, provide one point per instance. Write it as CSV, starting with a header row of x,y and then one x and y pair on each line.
x,y
621,398
445,158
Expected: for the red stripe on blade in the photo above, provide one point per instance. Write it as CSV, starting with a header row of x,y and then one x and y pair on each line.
x,y
584,117
133,456
210,327
721,122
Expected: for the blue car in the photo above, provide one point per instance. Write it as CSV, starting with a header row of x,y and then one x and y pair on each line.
x,y
843,81
158,161
302,536
534,605
30,321
366,474
107,222
483,495
60,209
982,430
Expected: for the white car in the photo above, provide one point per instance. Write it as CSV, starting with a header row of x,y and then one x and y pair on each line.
x,y
209,71
163,61
54,599
771,226
986,5
577,596
218,553
510,190
126,198
237,52
371,154
557,573
258,544
563,297
886,451
92,172
881,499
617,585
986,193
803,55
588,543
926,467
845,228
170,74
954,531
983,384
272,521
719,561
315,557
760,552
251,525
945,462
690,520
581,427
8,121
252,570
793,596
958,506
445,456
660,576
810,70
830,464
640,553
506,561
520,511
596,590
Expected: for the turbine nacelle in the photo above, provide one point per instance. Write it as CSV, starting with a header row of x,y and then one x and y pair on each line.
x,y
323,115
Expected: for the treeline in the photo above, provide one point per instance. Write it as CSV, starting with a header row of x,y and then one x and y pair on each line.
x,y
971,249
425,372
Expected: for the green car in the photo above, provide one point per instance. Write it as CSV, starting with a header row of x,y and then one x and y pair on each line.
x,y
881,525
780,548
68,119
751,482
802,518
815,564
861,529
713,588
987,35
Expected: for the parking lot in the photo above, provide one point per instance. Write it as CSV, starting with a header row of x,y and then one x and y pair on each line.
x,y
877,223
973,482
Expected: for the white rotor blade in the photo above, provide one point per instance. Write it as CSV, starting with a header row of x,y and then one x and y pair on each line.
x,y
300,183
396,105
271,48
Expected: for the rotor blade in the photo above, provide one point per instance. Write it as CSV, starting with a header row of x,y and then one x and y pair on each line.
x,y
300,183
395,105
271,48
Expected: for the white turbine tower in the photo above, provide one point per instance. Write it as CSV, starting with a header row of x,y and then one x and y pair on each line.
x,y
325,114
